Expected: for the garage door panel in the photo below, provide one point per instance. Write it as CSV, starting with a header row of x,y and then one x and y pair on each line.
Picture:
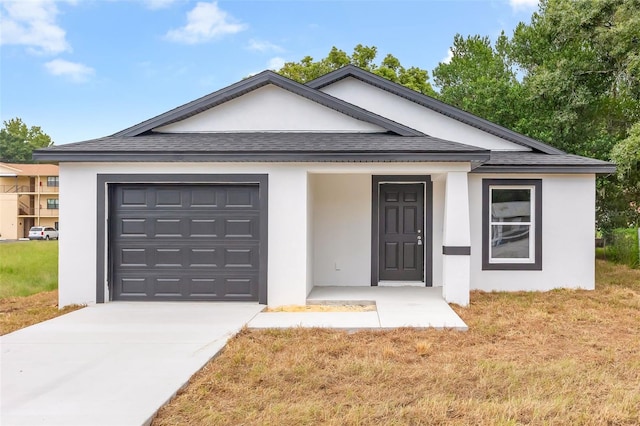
x,y
133,227
171,286
133,286
245,226
238,287
203,197
240,258
168,257
241,228
133,197
175,287
185,242
133,257
203,257
238,198
203,227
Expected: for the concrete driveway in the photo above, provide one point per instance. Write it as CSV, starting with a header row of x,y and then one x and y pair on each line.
x,y
111,364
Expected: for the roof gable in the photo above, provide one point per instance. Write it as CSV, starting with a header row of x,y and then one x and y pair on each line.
x,y
253,83
432,104
270,109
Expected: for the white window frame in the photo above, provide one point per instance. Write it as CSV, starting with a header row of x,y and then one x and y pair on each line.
x,y
534,262
530,224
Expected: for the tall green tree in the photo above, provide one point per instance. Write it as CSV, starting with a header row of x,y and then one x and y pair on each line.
x,y
626,154
364,57
581,68
17,141
481,79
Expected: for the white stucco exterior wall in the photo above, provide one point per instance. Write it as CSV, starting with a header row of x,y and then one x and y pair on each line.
x,y
415,116
77,245
320,214
270,109
303,198
438,226
342,230
568,232
456,233
287,276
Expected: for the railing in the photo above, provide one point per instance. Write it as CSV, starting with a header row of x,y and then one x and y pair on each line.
x,y
26,211
28,189
14,188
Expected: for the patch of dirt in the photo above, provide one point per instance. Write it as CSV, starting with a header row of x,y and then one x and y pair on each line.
x,y
323,308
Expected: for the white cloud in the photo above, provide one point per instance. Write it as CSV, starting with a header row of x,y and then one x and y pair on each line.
x,y
275,63
77,72
448,58
33,24
205,22
264,46
158,4
523,4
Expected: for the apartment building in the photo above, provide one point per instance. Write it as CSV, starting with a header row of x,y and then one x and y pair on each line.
x,y
29,197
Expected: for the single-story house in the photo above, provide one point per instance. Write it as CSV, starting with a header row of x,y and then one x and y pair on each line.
x,y
266,188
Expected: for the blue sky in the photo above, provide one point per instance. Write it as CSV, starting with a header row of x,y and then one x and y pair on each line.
x,y
83,69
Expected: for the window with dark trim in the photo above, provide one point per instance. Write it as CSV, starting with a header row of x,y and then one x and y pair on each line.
x,y
53,181
53,203
512,224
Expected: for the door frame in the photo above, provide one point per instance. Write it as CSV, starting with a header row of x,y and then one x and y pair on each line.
x,y
104,189
376,181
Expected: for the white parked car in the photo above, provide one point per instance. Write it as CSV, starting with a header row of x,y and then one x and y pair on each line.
x,y
43,233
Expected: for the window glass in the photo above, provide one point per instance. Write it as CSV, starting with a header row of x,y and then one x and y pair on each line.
x,y
53,181
511,224
52,203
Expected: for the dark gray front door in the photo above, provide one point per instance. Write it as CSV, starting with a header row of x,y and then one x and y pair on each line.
x,y
184,242
401,232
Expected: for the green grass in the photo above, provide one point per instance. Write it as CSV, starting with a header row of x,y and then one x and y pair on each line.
x,y
28,267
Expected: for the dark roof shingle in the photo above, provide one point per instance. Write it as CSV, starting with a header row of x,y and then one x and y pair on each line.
x,y
264,147
516,161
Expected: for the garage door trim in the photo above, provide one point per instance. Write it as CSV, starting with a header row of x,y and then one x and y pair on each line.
x,y
104,180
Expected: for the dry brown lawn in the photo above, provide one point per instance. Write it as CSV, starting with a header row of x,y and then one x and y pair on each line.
x,y
562,357
20,312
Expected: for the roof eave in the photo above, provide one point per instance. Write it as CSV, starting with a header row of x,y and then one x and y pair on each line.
x,y
550,169
106,156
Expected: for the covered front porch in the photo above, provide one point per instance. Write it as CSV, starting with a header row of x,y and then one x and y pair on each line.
x,y
416,307
348,211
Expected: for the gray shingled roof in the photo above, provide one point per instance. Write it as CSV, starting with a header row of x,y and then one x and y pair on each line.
x,y
264,147
514,161
401,143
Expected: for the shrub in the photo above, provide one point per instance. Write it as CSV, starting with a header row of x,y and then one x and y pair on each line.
x,y
622,247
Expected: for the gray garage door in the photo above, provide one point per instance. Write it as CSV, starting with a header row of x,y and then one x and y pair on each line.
x,y
184,242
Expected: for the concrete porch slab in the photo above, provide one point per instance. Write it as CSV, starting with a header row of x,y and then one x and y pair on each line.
x,y
341,320
419,307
